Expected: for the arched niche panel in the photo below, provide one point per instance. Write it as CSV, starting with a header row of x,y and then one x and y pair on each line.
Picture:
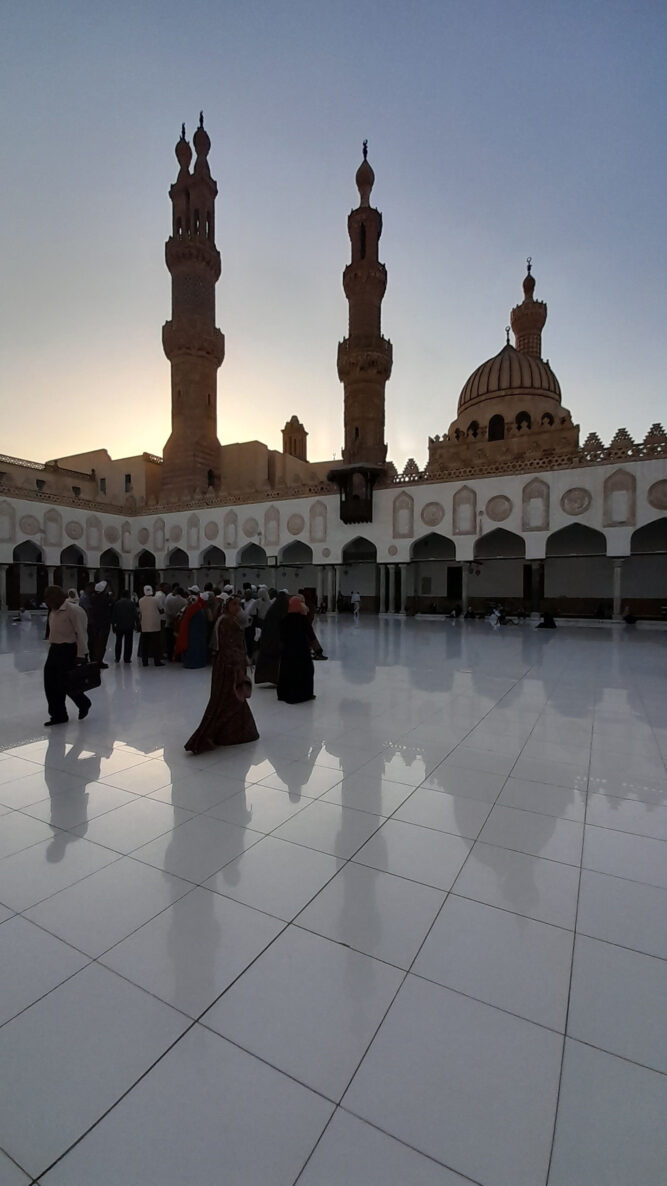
x,y
652,537
158,535
93,533
359,550
403,516
53,529
272,527
145,559
619,499
72,556
7,522
496,428
230,529
126,537
576,540
192,533
465,511
535,506
317,521
296,553
110,559
433,547
499,544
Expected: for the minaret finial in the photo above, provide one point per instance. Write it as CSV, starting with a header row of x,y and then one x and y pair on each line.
x,y
364,149
507,332
529,263
182,131
201,119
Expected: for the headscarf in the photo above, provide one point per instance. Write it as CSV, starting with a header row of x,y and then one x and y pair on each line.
x,y
297,605
148,590
73,596
263,603
100,586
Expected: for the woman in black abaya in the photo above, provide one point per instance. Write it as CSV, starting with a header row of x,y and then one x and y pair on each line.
x,y
295,681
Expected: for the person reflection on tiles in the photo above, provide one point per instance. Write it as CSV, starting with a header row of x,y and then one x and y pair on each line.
x,y
69,809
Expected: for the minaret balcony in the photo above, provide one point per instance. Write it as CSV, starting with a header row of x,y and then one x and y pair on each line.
x,y
365,354
187,336
182,253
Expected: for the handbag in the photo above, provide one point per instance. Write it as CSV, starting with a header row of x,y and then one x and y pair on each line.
x,y
82,678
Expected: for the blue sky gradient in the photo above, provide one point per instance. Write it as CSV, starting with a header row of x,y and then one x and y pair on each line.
x,y
496,130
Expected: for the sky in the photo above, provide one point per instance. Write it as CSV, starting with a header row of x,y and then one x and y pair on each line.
x,y
497,129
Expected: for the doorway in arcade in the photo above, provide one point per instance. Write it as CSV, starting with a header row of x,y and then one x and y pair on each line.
x,y
498,574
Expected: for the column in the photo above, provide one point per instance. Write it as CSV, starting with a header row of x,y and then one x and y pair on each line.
x,y
383,588
464,586
3,586
319,583
404,588
392,588
536,585
50,571
618,569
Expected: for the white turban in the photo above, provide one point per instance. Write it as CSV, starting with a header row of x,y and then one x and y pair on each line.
x,y
100,586
148,590
193,589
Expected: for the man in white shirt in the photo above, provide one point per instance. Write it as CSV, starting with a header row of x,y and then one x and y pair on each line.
x,y
67,643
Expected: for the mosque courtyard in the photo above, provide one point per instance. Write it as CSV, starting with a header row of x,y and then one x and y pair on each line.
x,y
416,934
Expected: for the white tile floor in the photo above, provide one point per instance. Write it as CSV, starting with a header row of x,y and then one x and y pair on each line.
x,y
417,933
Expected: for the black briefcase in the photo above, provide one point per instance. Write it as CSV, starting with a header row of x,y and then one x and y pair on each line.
x,y
83,677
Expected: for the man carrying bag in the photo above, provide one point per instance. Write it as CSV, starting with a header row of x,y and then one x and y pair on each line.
x,y
68,647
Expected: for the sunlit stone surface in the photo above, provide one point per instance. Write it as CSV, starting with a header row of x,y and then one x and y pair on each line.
x,y
367,948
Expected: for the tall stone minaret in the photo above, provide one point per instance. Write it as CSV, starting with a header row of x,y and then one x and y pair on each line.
x,y
193,344
529,318
364,356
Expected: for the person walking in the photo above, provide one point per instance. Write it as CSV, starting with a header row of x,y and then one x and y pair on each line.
x,y
99,622
67,644
355,602
151,628
267,665
227,719
296,676
124,621
174,604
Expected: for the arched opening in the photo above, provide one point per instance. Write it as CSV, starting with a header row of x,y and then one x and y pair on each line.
x,y
213,566
644,572
358,574
496,574
296,569
496,428
109,571
27,577
72,573
251,554
436,584
145,572
522,421
296,553
473,429
578,574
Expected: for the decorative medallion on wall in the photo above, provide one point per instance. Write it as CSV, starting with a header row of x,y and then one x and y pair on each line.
x,y
403,516
657,495
111,535
498,508
392,550
211,530
73,529
318,522
29,525
296,524
432,514
326,552
576,501
175,534
250,528
143,535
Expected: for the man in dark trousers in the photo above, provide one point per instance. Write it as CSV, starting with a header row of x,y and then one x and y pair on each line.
x,y
99,622
124,620
68,643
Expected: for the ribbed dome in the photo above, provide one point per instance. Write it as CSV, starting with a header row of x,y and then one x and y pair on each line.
x,y
510,373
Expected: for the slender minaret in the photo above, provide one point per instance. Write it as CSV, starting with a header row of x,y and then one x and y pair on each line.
x,y
193,344
529,318
364,356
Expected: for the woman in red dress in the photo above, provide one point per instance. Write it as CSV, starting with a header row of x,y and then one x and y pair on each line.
x,y
227,719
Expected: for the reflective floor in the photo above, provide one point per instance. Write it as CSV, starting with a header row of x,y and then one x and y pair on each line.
x,y
416,934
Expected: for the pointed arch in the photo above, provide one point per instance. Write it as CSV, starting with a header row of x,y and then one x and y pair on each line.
x,y
251,554
499,544
213,557
359,550
177,558
296,553
652,537
433,546
27,553
72,556
576,540
110,559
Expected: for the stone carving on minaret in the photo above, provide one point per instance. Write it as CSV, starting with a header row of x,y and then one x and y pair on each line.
x,y
192,342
